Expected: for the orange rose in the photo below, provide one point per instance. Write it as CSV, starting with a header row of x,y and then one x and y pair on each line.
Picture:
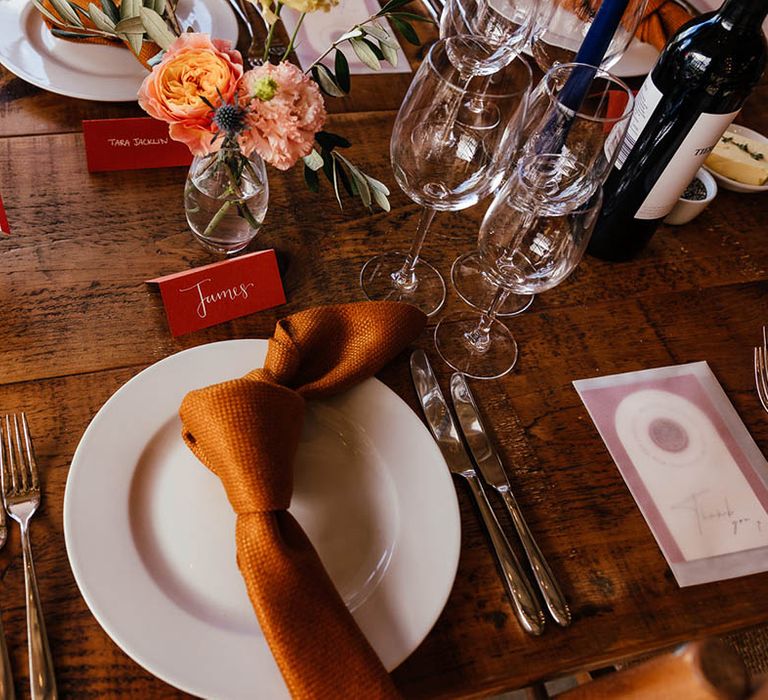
x,y
194,67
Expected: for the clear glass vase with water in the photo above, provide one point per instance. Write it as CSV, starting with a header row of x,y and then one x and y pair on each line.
x,y
225,198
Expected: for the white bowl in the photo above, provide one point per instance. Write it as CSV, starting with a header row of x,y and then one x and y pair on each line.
x,y
734,185
687,209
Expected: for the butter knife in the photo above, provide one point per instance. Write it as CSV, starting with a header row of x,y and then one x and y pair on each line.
x,y
492,469
443,428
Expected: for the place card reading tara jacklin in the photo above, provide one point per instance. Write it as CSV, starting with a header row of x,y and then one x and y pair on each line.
x,y
696,474
205,296
131,144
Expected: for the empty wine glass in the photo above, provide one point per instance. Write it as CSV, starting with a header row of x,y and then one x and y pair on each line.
x,y
562,25
506,25
532,237
575,109
445,161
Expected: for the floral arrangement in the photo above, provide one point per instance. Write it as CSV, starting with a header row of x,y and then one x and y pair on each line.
x,y
221,111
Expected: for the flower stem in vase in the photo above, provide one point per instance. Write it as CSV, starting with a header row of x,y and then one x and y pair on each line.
x,y
217,217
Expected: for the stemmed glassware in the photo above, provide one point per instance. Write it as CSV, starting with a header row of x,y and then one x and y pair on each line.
x,y
531,239
536,230
506,25
562,25
554,123
450,147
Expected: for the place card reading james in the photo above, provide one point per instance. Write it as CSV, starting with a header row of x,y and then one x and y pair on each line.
x,y
4,227
205,296
695,472
131,144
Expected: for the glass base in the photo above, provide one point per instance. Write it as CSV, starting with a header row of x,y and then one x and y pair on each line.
x,y
223,248
498,358
476,289
427,293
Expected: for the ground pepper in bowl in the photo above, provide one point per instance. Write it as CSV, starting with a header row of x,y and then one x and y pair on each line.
x,y
695,191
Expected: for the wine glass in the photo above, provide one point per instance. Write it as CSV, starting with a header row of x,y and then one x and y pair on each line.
x,y
574,109
532,237
505,24
445,160
562,25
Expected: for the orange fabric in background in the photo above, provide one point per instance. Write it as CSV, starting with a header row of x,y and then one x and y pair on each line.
x,y
247,431
661,20
148,48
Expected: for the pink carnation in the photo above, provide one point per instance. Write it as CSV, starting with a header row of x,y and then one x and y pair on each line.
x,y
285,111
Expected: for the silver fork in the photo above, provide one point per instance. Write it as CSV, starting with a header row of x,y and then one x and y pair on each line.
x,y
6,676
21,495
761,370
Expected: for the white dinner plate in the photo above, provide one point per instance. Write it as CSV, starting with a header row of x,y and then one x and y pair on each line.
x,y
90,71
151,541
638,60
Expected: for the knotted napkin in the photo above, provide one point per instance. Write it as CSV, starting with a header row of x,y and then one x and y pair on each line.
x,y
148,48
247,431
662,18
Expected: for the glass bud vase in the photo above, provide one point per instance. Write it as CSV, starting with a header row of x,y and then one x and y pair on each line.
x,y
225,199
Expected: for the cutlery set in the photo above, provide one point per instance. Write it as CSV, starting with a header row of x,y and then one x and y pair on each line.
x,y
434,8
441,423
21,499
256,27
761,370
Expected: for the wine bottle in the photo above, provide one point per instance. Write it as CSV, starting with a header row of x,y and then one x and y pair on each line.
x,y
697,87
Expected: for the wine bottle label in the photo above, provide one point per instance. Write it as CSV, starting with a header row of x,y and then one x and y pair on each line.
x,y
694,149
646,101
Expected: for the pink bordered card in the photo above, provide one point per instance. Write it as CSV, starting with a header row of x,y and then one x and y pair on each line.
x,y
695,472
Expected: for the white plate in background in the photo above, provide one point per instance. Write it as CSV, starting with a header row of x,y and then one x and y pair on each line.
x,y
90,71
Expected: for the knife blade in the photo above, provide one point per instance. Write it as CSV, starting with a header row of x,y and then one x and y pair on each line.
x,y
491,467
443,428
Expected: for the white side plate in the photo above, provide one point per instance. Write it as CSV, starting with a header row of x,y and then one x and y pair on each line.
x,y
90,71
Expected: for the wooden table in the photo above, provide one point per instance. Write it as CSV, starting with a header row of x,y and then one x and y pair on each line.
x,y
78,321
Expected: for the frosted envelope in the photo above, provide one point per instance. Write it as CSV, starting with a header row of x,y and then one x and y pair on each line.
x,y
693,469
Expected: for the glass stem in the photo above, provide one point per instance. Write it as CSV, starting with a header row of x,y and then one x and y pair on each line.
x,y
479,339
405,278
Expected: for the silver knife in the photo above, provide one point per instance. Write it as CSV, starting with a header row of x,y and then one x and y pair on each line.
x,y
438,415
492,469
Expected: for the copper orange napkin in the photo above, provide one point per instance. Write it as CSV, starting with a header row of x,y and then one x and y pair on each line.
x,y
246,431
661,20
148,48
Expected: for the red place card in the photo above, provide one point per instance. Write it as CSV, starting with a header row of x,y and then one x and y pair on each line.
x,y
212,294
4,228
131,144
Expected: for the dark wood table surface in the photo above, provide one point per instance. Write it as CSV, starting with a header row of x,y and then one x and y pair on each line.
x,y
77,321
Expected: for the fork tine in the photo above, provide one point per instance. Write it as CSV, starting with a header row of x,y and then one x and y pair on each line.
x,y
3,465
761,374
21,467
11,456
31,461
